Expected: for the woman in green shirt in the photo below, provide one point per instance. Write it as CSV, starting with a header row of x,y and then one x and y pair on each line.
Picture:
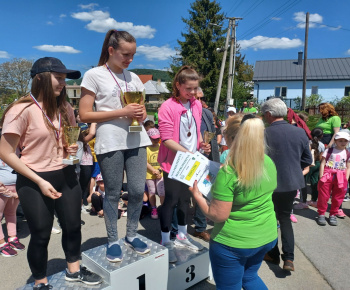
x,y
245,226
329,123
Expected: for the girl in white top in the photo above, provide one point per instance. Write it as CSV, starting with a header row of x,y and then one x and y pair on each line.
x,y
115,147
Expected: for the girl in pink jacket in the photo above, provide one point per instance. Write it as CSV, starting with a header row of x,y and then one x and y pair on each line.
x,y
179,126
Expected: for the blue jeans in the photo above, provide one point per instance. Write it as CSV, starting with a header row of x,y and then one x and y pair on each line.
x,y
234,268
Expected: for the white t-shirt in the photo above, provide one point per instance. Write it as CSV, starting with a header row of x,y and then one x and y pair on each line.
x,y
188,124
337,160
114,135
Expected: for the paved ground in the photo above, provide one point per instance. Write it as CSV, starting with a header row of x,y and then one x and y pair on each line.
x,y
322,254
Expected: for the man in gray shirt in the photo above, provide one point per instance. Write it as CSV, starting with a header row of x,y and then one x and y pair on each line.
x,y
288,147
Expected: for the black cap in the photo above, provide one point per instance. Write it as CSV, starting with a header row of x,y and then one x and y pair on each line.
x,y
52,64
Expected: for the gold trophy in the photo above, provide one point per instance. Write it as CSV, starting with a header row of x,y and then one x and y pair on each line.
x,y
71,135
208,136
137,98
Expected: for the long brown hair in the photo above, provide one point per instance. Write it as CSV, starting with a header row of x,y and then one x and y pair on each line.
x,y
186,73
327,110
112,39
52,105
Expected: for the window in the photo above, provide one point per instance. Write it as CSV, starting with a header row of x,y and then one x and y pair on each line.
x,y
314,90
75,93
280,91
347,91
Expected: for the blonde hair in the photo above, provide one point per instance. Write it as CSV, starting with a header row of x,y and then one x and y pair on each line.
x,y
247,153
231,129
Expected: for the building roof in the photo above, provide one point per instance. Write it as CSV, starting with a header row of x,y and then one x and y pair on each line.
x,y
156,88
317,69
145,78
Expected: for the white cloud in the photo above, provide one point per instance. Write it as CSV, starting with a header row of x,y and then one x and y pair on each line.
x,y
347,52
276,18
155,52
101,22
263,42
57,48
88,6
63,15
335,28
314,19
89,16
4,54
49,23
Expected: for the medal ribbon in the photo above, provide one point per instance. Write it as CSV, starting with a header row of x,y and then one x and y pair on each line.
x,y
47,117
126,84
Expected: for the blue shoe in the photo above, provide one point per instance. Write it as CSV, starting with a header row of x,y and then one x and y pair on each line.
x,y
114,253
138,246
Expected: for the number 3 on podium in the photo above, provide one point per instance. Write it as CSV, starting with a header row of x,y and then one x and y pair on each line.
x,y
190,271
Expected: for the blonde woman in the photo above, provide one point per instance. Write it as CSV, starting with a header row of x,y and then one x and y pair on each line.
x,y
245,227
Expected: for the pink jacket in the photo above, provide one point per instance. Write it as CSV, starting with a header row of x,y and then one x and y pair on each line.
x,y
169,126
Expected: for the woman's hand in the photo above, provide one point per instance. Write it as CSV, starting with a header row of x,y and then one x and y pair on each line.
x,y
134,111
72,149
48,190
195,191
144,114
206,147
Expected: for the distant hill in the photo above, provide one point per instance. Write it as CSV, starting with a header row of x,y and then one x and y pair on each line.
x,y
157,74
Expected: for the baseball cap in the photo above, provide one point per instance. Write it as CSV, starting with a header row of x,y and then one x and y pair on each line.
x,y
99,177
52,64
342,135
231,109
153,133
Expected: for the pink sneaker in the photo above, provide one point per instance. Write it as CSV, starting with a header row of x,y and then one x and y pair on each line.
x,y
340,214
154,213
312,203
300,205
293,218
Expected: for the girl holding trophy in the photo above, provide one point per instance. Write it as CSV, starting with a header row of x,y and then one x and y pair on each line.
x,y
116,147
34,124
179,126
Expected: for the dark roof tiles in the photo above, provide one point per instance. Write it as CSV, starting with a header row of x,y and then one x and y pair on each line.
x,y
317,69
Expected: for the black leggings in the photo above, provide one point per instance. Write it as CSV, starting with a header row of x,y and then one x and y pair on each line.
x,y
84,180
176,193
39,212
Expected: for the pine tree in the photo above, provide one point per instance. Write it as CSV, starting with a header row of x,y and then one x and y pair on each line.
x,y
199,48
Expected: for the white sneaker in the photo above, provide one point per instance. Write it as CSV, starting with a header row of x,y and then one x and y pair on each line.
x,y
83,210
55,230
188,242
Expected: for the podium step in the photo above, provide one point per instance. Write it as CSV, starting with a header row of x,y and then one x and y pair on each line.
x,y
58,282
135,271
191,267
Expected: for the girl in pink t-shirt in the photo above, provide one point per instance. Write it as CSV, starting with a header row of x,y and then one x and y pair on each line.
x,y
34,124
334,176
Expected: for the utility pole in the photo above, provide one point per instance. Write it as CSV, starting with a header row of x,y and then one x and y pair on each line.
x,y
232,63
217,98
231,27
305,60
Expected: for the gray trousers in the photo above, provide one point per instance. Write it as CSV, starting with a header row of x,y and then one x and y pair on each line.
x,y
112,168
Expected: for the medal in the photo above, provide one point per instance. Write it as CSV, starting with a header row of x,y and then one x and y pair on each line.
x,y
189,134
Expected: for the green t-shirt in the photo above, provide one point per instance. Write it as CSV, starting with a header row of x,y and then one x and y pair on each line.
x,y
328,126
156,118
252,221
251,110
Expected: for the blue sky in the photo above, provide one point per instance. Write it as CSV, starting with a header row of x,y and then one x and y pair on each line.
x,y
73,31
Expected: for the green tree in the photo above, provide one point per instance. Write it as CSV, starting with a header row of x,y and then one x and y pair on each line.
x,y
314,100
15,75
199,47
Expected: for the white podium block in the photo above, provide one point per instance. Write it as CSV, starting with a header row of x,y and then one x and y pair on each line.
x,y
191,267
135,271
58,282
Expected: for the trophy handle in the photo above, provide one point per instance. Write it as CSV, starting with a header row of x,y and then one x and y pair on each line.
x,y
122,98
143,97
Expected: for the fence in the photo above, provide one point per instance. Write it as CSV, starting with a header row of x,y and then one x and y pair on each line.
x,y
343,111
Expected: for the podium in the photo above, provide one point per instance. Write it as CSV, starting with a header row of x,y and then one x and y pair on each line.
x,y
140,272
191,267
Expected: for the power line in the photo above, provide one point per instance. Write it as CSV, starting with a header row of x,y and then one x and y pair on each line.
x,y
336,27
276,13
251,8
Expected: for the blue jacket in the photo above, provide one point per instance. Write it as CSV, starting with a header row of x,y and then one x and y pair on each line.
x,y
288,147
